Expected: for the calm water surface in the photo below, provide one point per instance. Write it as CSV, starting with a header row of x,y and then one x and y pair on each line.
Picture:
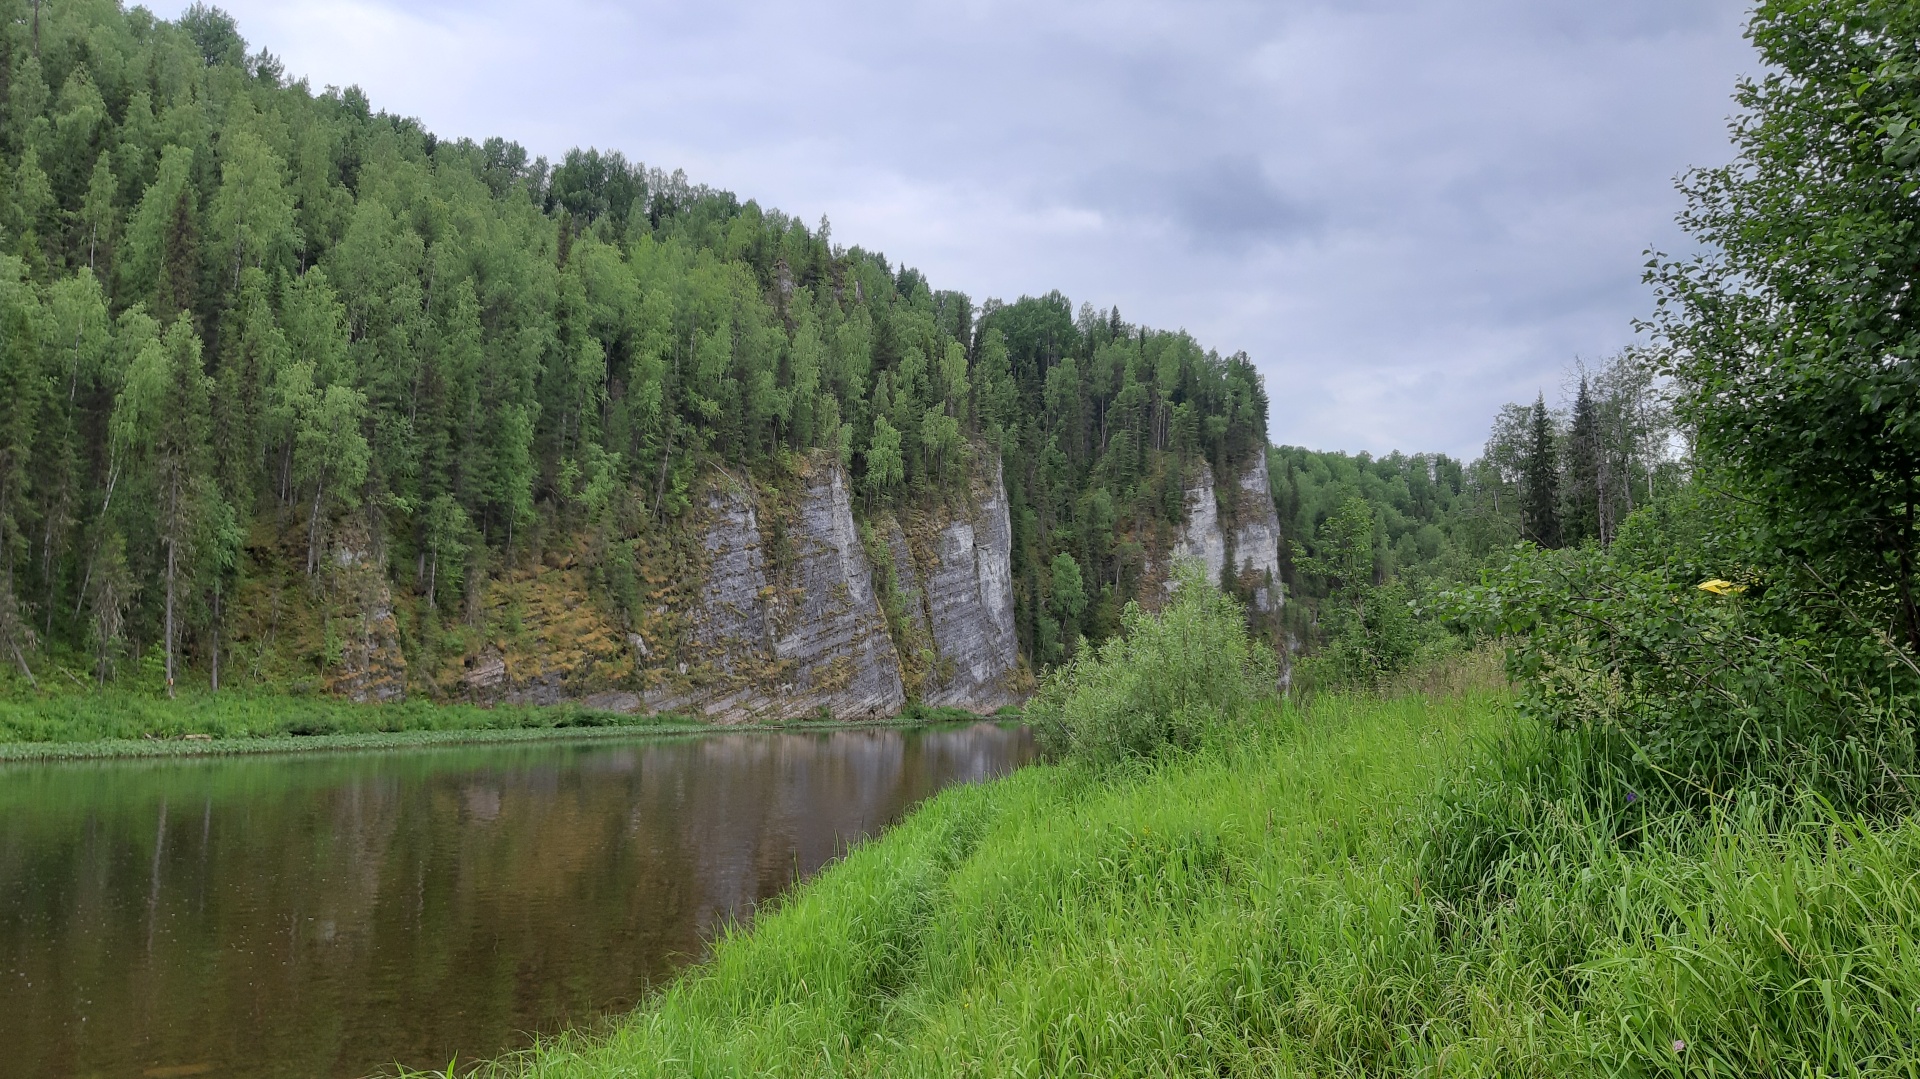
x,y
329,915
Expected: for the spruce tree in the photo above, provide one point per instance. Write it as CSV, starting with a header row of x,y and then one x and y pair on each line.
x,y
162,417
1540,479
1580,517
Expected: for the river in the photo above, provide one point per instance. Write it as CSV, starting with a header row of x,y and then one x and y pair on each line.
x,y
331,914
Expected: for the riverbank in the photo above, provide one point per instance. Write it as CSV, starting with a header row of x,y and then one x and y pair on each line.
x,y
109,724
1300,904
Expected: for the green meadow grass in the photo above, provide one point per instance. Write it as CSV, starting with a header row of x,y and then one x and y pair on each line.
x,y
123,723
1265,910
116,723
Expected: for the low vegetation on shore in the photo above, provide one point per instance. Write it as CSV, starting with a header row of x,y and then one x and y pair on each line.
x,y
1376,883
101,716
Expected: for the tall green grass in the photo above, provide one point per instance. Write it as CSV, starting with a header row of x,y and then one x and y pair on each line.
x,y
1283,907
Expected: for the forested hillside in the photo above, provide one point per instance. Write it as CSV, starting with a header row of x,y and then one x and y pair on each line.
x,y
242,319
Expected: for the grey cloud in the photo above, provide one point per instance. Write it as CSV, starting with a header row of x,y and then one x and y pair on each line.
x,y
1407,211
1231,203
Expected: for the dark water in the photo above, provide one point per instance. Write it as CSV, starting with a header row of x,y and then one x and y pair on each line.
x,y
330,915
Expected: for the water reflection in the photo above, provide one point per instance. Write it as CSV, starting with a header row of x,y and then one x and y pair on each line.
x,y
326,916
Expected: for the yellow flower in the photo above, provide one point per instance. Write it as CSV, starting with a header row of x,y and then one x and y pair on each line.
x,y
1722,588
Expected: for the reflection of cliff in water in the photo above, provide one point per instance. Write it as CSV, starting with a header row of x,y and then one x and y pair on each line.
x,y
329,916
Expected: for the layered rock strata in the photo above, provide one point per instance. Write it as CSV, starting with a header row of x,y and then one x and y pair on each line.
x,y
959,593
797,636
1249,541
765,605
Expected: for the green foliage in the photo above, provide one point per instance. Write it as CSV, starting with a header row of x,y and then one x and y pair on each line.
x,y
1360,581
457,354
1169,683
123,723
1758,631
1290,909
1792,336
1540,486
1696,693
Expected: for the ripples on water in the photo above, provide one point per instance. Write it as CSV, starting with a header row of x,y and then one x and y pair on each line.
x,y
328,915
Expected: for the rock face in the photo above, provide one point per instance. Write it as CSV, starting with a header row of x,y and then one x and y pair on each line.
x,y
828,623
1250,541
961,596
372,666
764,605
788,637
1200,536
1256,537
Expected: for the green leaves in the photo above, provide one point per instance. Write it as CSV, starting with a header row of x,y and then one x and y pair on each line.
x,y
1793,340
1167,684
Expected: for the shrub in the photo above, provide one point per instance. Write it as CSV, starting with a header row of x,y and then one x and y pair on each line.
x,y
1169,683
1767,677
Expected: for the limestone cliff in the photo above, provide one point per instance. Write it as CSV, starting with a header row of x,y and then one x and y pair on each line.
x,y
953,578
769,600
1256,537
793,635
370,664
1247,538
1200,536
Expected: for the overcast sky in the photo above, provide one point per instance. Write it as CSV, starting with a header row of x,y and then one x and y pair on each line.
x,y
1406,211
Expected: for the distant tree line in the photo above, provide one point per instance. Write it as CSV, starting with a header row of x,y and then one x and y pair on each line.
x,y
1372,538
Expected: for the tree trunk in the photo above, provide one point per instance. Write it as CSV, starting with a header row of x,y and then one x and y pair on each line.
x,y
313,525
215,681
172,563
86,579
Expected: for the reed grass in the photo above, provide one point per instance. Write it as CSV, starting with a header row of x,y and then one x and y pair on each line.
x,y
1274,908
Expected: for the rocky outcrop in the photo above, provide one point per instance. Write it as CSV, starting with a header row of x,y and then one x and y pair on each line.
x,y
1200,536
1248,539
786,637
1256,537
827,621
371,665
762,604
958,589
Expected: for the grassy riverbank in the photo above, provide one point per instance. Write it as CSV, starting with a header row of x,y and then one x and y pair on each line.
x,y
110,723
122,723
1345,891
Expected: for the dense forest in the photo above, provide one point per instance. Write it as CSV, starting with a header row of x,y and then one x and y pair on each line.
x,y
1377,541
239,317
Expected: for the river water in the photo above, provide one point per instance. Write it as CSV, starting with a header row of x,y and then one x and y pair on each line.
x,y
328,915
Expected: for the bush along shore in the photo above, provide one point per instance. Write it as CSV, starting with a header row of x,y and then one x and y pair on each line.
x,y
1207,880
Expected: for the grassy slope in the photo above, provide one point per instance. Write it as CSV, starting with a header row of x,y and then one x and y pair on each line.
x,y
1263,913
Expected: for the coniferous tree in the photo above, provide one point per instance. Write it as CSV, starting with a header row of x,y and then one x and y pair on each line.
x,y
1540,490
23,390
162,418
1580,517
